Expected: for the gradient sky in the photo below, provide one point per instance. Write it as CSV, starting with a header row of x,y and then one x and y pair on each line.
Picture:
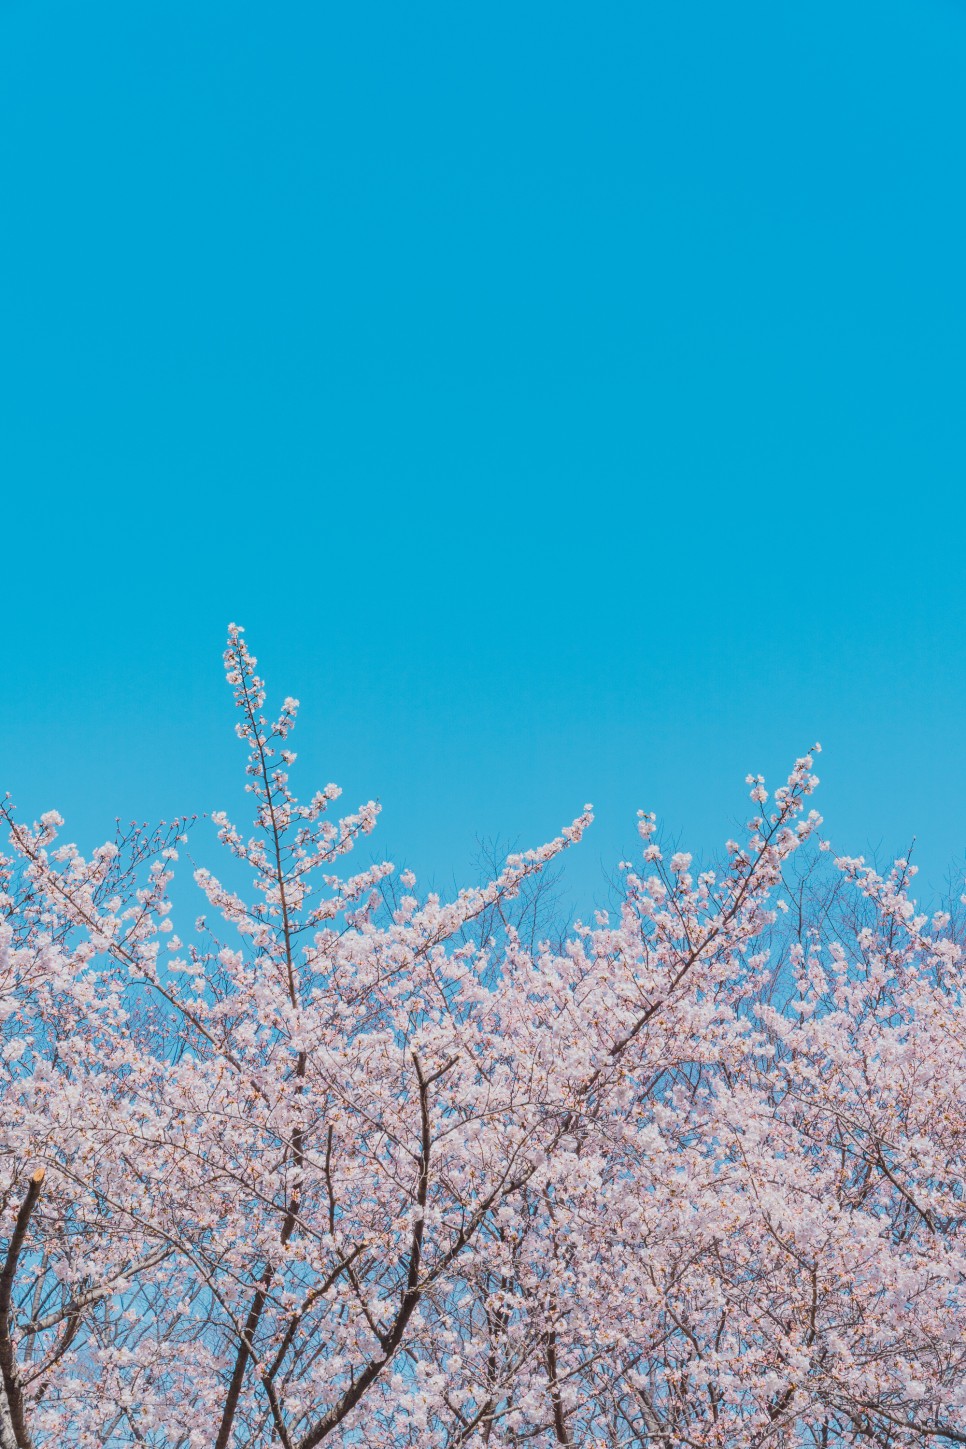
x,y
568,399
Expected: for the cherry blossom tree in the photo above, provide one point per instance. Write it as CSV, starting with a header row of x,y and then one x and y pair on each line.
x,y
344,1164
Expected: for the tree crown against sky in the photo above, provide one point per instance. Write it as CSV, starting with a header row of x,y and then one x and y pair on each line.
x,y
339,1165
580,394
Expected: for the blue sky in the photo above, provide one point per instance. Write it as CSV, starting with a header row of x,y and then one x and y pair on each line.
x,y
568,399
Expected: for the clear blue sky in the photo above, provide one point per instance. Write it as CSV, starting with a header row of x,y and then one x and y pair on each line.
x,y
569,399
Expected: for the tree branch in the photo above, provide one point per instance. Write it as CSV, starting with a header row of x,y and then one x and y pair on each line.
x,y
12,1389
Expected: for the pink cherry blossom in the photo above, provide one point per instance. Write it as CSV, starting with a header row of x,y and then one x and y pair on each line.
x,y
339,1163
